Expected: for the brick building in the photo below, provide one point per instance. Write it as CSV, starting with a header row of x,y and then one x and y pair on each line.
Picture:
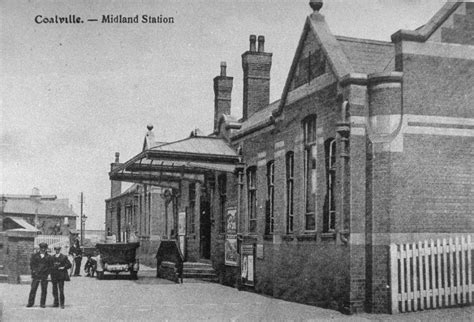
x,y
53,216
371,144
22,218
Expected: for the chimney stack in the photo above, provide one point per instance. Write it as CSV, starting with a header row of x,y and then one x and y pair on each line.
x,y
222,95
115,186
256,65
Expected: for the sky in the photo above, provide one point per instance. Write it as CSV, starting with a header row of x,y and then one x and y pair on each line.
x,y
74,94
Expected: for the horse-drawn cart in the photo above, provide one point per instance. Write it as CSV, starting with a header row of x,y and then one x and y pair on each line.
x,y
116,258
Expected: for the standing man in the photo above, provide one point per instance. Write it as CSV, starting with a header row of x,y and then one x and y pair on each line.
x,y
40,265
76,253
58,275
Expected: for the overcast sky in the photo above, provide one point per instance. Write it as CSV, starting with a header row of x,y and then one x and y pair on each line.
x,y
73,95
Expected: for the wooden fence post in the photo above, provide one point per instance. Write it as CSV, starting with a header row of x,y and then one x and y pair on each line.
x,y
394,277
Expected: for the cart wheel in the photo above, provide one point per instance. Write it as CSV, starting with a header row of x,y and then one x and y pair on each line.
x,y
134,275
100,275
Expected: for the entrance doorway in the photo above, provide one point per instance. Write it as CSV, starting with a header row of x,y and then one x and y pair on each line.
x,y
205,230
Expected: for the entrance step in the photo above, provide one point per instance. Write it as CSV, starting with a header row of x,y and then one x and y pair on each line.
x,y
199,270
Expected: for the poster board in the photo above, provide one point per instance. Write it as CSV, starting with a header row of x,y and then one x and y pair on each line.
x,y
231,254
182,231
248,265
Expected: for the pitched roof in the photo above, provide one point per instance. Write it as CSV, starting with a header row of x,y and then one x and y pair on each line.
x,y
260,118
368,56
422,33
331,47
27,206
198,145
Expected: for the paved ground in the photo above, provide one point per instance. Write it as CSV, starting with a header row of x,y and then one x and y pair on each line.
x,y
151,299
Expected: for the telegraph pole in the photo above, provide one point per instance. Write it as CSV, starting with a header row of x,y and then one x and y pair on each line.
x,y
82,222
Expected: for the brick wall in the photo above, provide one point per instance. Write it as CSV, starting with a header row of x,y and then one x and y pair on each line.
x,y
424,76
305,272
18,253
432,185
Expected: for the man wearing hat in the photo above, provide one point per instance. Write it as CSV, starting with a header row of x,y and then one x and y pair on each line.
x,y
59,274
40,265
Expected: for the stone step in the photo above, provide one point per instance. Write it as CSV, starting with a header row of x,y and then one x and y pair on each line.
x,y
195,264
199,270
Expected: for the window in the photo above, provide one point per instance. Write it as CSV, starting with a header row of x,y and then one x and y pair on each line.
x,y
192,206
290,161
309,128
222,182
252,198
269,206
329,219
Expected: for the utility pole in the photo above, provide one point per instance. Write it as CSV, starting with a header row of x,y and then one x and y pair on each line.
x,y
82,222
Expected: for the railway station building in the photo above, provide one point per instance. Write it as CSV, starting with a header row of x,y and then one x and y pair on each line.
x,y
309,198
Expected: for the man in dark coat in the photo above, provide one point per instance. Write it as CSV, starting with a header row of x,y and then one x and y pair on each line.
x,y
40,265
76,253
59,274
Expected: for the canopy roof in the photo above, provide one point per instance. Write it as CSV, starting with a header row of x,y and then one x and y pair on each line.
x,y
167,164
21,223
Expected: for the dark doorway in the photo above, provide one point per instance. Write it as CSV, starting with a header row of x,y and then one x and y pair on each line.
x,y
205,230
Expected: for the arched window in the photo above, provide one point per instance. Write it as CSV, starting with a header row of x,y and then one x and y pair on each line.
x,y
309,131
290,171
329,218
269,205
252,198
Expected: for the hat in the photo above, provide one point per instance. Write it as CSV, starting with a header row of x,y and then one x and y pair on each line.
x,y
57,247
43,245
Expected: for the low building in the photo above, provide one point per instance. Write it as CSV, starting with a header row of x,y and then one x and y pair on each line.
x,y
47,213
22,219
368,152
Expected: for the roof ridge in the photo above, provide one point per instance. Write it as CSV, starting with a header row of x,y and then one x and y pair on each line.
x,y
365,40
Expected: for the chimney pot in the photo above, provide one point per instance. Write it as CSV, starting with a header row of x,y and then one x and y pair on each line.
x,y
117,156
223,68
253,39
261,44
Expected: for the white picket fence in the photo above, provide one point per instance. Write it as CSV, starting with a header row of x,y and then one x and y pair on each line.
x,y
52,241
431,274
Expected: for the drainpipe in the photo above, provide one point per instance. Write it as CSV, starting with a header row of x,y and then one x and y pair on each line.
x,y
239,170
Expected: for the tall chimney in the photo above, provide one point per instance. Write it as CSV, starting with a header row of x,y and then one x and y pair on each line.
x,y
256,64
115,186
222,95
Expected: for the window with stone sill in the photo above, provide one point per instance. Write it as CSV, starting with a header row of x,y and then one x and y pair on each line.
x,y
309,132
329,217
252,198
269,204
290,168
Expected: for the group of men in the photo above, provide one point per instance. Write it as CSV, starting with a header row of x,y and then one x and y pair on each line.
x,y
42,265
